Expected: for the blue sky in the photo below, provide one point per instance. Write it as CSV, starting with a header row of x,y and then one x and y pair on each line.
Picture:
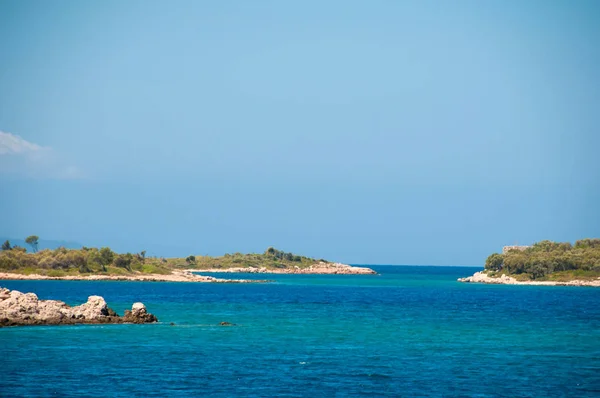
x,y
409,132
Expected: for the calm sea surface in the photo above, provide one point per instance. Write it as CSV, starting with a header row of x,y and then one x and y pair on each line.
x,y
410,331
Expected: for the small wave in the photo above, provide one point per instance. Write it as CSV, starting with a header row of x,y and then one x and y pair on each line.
x,y
376,375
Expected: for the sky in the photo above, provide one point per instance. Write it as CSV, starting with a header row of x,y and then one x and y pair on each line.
x,y
366,132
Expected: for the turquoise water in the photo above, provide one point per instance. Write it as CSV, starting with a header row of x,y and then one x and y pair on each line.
x,y
410,331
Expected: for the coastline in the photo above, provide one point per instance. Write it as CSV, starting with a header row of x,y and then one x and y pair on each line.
x,y
189,275
175,276
316,269
482,277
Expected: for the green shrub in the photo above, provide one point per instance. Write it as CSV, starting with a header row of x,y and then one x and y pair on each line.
x,y
123,261
545,258
106,256
494,262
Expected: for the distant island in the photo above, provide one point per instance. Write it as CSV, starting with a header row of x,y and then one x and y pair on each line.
x,y
544,263
90,263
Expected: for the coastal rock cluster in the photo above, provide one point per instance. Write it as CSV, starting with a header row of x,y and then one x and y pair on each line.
x,y
317,268
18,308
483,277
335,268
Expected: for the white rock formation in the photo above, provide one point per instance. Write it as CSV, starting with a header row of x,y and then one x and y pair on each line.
x,y
18,308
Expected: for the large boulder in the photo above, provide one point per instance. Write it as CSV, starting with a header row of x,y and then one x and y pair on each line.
x,y
138,314
95,308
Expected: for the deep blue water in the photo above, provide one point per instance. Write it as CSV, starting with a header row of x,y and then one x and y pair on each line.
x,y
410,331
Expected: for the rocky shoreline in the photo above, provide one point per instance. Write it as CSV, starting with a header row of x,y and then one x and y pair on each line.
x,y
320,268
175,276
25,309
482,277
189,275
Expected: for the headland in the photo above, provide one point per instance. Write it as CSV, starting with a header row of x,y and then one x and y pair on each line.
x,y
104,264
503,279
544,263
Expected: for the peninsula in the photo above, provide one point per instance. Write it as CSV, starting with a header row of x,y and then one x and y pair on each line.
x,y
104,264
545,263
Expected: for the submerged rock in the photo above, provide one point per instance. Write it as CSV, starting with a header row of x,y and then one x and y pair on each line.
x,y
18,308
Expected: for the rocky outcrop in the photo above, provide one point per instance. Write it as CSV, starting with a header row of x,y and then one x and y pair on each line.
x,y
18,308
138,314
483,277
317,268
335,268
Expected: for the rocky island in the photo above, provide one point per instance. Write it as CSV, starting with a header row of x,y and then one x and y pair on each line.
x,y
104,264
544,263
20,309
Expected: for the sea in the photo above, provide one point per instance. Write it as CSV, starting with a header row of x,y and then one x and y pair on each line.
x,y
410,331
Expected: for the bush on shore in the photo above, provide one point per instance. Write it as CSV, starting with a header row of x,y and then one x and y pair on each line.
x,y
85,260
89,260
545,258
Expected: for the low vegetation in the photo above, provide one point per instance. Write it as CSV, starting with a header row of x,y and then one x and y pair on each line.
x,y
547,260
270,259
104,261
61,261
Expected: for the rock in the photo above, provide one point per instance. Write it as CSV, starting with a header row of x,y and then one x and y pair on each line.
x,y
138,314
94,308
17,308
483,277
227,324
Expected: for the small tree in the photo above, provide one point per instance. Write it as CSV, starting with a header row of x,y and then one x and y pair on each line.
x,y
141,256
191,260
123,261
6,245
106,255
33,241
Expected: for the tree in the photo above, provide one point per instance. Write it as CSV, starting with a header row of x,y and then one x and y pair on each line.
x,y
106,255
6,245
191,260
33,241
141,256
123,261
494,262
